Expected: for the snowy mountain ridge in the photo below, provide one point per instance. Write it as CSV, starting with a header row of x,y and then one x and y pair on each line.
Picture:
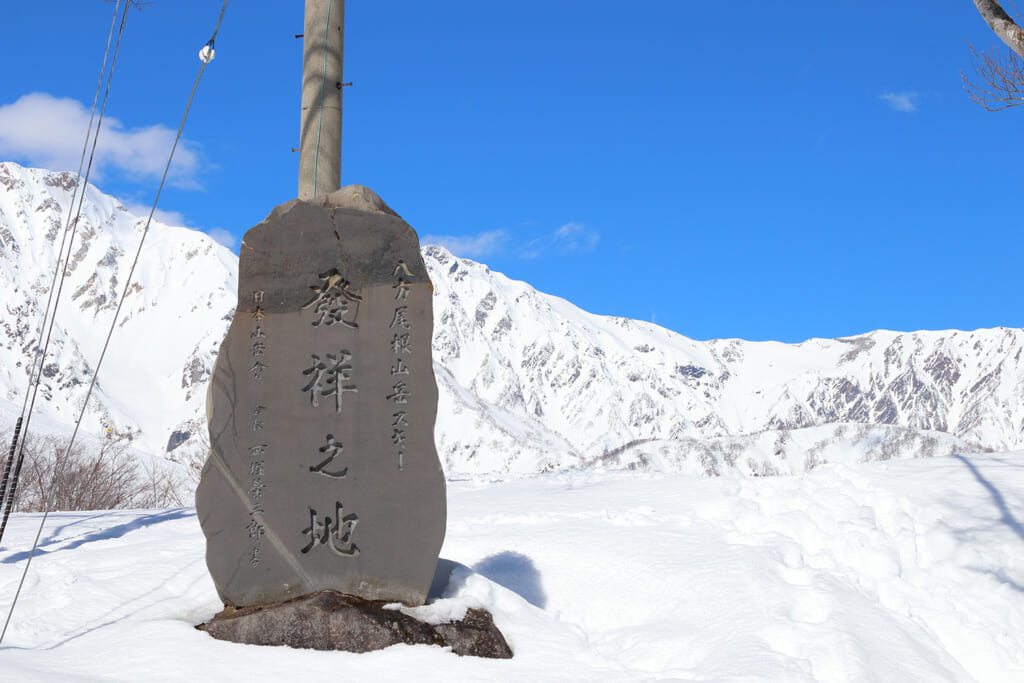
x,y
153,382
528,382
609,388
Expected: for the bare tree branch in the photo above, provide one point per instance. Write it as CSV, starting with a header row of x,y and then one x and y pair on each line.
x,y
108,478
1000,79
1001,23
999,72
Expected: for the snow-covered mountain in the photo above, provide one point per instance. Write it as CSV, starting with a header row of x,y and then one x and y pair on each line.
x,y
594,388
153,381
528,382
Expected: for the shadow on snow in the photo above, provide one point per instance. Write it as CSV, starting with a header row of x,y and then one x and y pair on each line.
x,y
512,570
107,534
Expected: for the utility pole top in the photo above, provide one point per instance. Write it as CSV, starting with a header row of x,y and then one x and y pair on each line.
x,y
320,138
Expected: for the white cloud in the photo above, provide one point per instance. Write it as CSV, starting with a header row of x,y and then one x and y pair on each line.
x,y
470,246
575,237
222,236
571,237
49,132
532,249
175,218
901,101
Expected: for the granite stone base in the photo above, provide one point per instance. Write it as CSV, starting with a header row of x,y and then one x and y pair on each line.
x,y
328,620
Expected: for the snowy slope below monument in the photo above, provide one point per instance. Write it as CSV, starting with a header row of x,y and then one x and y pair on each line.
x,y
898,571
528,382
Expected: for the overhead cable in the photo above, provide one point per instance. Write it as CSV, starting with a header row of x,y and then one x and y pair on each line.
x,y
58,470
9,484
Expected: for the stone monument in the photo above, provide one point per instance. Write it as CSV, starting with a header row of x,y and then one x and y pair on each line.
x,y
323,472
323,498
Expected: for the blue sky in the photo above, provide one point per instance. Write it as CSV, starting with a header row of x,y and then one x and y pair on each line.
x,y
762,170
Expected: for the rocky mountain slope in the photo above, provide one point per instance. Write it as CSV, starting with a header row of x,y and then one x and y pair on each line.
x,y
528,382
596,385
153,381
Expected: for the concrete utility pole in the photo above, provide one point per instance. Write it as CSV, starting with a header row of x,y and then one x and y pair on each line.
x,y
320,138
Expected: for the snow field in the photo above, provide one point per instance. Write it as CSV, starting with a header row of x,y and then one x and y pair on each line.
x,y
907,570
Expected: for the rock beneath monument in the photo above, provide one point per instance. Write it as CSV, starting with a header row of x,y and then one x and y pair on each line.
x,y
323,474
329,620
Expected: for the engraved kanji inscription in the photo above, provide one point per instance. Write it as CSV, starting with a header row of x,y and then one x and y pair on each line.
x,y
332,449
401,289
401,318
336,534
257,370
257,418
332,309
400,393
255,529
328,376
400,344
256,487
331,282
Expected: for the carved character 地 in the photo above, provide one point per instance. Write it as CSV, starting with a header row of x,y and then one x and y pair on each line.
x,y
336,534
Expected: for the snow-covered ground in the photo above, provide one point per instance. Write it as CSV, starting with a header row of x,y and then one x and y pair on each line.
x,y
908,570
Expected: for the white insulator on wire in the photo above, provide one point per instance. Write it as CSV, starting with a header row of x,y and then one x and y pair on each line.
x,y
206,54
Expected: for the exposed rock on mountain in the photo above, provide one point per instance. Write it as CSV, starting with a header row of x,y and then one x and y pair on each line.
x,y
528,382
592,385
153,381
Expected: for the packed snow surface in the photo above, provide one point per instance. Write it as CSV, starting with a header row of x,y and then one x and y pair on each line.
x,y
906,570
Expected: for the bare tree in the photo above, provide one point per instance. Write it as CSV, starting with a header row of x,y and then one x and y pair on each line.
x,y
104,476
999,72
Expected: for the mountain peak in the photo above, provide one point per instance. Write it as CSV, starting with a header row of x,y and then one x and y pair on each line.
x,y
528,382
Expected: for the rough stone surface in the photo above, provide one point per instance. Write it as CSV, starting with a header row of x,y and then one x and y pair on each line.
x,y
323,472
328,620
358,197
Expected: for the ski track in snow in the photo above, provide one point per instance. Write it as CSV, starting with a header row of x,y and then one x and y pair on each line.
x,y
899,571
